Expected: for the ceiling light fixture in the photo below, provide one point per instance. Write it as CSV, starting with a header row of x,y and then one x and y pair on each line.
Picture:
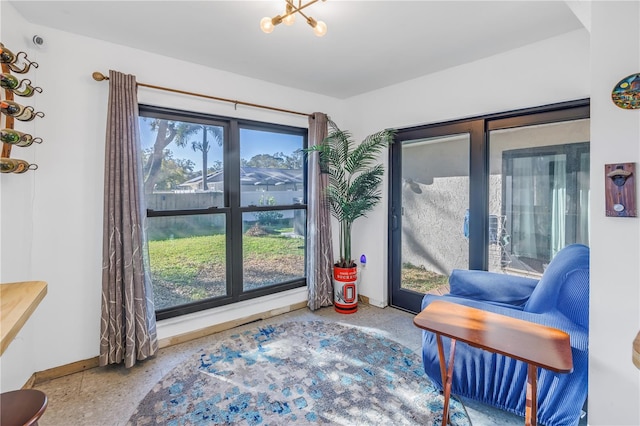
x,y
267,24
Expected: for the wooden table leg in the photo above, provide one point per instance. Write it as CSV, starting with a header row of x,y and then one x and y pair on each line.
x,y
447,374
531,410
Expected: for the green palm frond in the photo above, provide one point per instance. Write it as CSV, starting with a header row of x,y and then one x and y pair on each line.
x,y
368,151
354,178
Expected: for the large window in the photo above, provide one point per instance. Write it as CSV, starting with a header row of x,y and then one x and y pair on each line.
x,y
226,208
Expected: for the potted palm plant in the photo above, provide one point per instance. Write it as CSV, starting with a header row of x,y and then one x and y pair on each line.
x,y
353,191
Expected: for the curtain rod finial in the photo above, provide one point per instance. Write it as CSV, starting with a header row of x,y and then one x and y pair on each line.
x,y
98,76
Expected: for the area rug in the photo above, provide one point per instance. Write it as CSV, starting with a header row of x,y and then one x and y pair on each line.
x,y
298,373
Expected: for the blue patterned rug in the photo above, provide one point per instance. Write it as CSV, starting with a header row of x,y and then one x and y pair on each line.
x,y
298,373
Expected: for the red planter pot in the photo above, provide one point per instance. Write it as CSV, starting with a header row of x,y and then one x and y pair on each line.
x,y
345,291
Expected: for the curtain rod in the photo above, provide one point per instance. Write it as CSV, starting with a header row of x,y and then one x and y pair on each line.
x,y
98,76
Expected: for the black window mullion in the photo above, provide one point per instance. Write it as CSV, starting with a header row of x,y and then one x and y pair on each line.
x,y
478,196
234,238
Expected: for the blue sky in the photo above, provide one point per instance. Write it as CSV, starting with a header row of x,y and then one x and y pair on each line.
x,y
252,142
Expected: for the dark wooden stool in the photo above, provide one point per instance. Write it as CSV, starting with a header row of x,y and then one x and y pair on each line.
x,y
22,407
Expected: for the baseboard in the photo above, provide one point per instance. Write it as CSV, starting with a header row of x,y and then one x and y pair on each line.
x,y
64,370
87,364
31,382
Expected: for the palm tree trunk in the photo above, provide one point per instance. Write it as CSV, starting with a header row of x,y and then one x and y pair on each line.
x,y
347,244
205,146
154,163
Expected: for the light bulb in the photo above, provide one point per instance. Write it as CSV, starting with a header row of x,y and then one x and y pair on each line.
x,y
266,25
289,20
320,29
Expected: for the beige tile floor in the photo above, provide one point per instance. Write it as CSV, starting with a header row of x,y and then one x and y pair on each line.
x,y
108,396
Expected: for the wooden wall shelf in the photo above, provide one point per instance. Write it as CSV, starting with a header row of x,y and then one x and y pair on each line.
x,y
17,302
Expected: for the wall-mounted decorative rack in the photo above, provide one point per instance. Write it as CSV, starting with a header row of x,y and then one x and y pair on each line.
x,y
10,110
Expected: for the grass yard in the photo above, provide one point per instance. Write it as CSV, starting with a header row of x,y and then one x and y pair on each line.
x,y
419,279
189,269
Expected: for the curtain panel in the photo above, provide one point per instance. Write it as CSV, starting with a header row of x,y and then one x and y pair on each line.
x,y
320,251
128,325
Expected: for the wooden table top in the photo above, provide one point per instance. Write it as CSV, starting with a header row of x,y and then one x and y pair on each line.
x,y
523,340
17,302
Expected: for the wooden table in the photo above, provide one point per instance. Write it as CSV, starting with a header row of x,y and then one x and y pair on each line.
x,y
17,302
535,344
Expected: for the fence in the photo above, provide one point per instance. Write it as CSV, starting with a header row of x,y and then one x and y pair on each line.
x,y
212,223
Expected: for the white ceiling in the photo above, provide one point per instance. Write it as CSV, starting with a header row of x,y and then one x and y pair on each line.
x,y
369,44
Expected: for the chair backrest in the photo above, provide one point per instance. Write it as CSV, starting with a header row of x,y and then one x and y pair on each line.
x,y
564,286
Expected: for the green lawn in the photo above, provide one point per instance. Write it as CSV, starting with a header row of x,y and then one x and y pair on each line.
x,y
420,279
188,269
181,259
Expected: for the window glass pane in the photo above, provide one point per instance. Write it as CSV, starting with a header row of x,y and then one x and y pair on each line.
x,y
271,171
539,192
175,156
435,202
187,256
273,247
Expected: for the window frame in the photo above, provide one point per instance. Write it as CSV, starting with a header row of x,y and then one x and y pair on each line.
x,y
232,209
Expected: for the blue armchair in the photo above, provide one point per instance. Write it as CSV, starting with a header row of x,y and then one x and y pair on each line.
x,y
559,299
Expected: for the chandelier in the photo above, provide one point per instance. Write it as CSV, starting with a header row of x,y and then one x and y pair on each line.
x,y
268,24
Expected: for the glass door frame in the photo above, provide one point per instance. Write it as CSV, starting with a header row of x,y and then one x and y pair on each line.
x,y
478,129
408,299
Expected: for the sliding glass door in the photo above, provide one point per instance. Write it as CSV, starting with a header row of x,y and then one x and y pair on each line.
x,y
502,193
430,212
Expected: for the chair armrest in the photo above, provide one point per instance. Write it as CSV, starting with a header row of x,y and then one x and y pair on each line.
x,y
578,335
491,287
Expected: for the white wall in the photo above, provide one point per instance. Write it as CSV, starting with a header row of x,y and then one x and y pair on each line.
x,y
52,218
614,382
550,71
17,193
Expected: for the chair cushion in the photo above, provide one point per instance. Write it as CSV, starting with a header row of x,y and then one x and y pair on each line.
x,y
491,287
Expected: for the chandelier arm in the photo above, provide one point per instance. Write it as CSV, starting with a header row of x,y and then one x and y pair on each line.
x,y
309,19
299,8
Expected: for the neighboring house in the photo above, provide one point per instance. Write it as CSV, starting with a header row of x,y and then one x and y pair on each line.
x,y
252,179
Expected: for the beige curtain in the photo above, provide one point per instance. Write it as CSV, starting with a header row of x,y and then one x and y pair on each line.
x,y
128,326
320,252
